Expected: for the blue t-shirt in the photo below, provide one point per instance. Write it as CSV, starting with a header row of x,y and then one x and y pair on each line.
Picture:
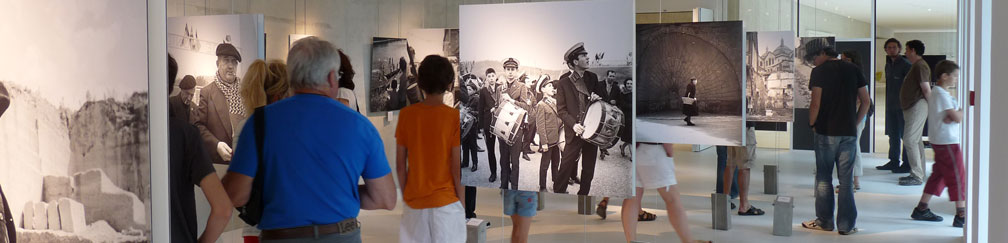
x,y
316,149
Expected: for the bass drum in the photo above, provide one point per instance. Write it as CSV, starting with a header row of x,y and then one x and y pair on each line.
x,y
602,123
507,122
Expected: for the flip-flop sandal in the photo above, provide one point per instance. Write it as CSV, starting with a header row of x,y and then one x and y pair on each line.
x,y
752,211
601,209
645,216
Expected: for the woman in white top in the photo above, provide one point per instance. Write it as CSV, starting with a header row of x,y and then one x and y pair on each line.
x,y
346,85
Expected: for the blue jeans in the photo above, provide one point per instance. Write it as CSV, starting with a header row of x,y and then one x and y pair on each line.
x,y
836,151
722,161
894,129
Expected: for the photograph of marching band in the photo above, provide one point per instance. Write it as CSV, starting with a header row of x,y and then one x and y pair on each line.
x,y
770,76
550,97
804,62
691,88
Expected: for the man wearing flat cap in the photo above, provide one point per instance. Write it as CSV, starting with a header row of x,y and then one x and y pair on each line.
x,y
515,92
181,104
575,92
220,107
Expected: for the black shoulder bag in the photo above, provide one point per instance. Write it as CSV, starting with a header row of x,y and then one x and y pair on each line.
x,y
252,212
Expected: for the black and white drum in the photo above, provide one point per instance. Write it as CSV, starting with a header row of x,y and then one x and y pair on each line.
x,y
507,122
413,93
602,123
467,119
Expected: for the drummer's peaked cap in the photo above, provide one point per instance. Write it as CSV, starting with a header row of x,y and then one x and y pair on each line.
x,y
574,51
511,62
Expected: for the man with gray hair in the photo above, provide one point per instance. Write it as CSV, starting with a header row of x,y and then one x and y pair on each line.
x,y
315,149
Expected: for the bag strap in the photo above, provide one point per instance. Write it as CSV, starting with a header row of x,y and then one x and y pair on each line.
x,y
260,134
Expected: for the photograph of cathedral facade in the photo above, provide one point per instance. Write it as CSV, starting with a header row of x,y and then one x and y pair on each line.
x,y
770,74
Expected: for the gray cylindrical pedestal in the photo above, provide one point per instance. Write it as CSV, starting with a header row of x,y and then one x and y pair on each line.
x,y
542,201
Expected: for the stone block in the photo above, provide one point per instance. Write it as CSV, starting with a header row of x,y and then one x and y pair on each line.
x,y
41,219
52,215
71,214
56,187
103,200
721,207
28,216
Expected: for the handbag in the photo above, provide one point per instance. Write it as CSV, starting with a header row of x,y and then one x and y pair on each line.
x,y
252,212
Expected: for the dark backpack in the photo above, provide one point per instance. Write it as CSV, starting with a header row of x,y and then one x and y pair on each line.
x,y
252,212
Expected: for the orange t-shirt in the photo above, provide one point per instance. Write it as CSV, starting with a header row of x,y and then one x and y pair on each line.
x,y
429,133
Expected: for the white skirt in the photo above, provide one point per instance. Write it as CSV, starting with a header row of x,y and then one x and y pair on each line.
x,y
654,168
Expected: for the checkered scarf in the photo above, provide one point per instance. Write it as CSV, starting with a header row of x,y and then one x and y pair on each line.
x,y
234,100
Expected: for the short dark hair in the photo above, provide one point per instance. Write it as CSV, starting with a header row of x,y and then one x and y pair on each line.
x,y
829,51
627,79
172,73
435,74
893,40
346,71
943,67
610,72
489,71
854,58
917,46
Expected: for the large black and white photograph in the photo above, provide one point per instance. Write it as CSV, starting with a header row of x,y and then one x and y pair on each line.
x,y
213,53
548,96
692,87
74,137
770,76
808,49
442,42
393,75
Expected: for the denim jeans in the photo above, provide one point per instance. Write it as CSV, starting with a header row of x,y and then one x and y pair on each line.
x,y
722,161
894,129
836,151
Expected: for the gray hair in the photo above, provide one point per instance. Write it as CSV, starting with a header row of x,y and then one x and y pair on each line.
x,y
309,62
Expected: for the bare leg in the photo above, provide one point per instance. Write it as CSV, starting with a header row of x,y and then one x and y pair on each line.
x,y
926,198
676,213
520,228
726,178
631,207
743,186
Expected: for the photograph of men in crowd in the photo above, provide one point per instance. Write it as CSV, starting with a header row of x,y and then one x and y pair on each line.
x,y
522,80
690,86
181,104
220,106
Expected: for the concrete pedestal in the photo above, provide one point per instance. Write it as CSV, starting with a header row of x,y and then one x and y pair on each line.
x,y
721,211
783,215
770,179
586,205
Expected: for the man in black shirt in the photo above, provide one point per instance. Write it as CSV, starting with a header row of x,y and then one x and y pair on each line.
x,y
834,114
896,68
190,165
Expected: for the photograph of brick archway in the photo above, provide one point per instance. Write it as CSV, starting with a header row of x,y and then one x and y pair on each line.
x,y
670,58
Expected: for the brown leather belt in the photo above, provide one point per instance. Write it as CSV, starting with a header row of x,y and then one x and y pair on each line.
x,y
314,231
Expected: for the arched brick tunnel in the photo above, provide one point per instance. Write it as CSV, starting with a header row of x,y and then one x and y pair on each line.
x,y
670,54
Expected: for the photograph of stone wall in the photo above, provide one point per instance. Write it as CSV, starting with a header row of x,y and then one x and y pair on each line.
x,y
770,76
670,57
74,137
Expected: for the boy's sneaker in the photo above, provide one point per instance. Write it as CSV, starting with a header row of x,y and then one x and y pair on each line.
x,y
910,181
925,215
959,221
816,225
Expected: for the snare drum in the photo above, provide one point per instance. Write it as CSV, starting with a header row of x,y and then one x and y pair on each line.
x,y
602,123
507,122
467,119
413,93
